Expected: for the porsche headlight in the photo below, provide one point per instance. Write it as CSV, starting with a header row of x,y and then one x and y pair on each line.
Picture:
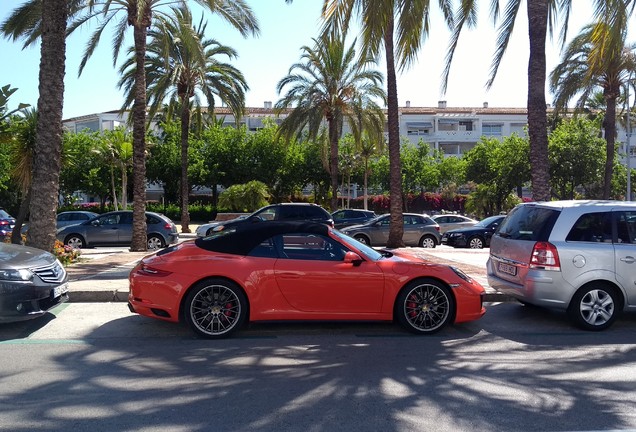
x,y
461,274
16,275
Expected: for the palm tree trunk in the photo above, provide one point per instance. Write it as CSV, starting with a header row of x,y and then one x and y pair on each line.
x,y
112,185
185,189
16,235
48,143
537,118
333,160
396,230
139,242
610,138
366,181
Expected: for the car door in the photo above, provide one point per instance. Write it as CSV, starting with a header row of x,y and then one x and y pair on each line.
x,y
126,228
313,277
104,229
379,231
413,228
625,252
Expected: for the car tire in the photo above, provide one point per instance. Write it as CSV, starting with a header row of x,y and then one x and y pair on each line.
x,y
363,239
75,241
594,307
475,243
425,306
215,308
428,241
155,242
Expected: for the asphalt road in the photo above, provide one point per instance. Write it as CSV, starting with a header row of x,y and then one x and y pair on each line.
x,y
97,367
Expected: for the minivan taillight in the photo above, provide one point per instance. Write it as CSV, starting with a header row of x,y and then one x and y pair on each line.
x,y
545,257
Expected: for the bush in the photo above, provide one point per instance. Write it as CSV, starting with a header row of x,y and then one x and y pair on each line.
x,y
66,254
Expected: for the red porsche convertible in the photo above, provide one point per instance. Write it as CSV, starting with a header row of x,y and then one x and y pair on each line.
x,y
297,271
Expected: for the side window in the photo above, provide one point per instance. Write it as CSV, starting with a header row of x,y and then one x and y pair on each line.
x,y
127,219
311,247
63,217
265,250
268,214
151,220
339,215
109,220
386,221
592,227
626,227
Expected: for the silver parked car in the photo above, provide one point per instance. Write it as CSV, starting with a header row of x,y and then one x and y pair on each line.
x,y
74,217
451,221
115,228
419,230
32,281
579,256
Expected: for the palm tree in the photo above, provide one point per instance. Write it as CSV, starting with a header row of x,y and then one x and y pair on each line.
x,y
368,133
182,65
116,149
22,147
410,21
27,23
325,86
541,16
585,67
51,17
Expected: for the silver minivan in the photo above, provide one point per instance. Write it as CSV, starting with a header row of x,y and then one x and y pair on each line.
x,y
574,255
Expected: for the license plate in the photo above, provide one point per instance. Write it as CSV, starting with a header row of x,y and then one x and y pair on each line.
x,y
507,268
59,290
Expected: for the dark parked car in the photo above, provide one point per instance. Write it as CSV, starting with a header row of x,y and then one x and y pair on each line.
x,y
419,231
32,281
7,222
347,217
74,217
277,212
115,228
475,237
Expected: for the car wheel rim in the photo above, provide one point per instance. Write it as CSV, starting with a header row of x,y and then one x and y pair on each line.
x,y
75,243
597,307
428,243
426,307
475,244
154,243
215,310
362,240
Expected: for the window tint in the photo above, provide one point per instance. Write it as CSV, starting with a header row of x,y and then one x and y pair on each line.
x,y
267,214
311,247
64,217
340,214
527,222
592,227
626,227
265,250
110,219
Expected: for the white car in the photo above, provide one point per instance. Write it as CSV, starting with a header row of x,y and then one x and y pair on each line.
x,y
451,221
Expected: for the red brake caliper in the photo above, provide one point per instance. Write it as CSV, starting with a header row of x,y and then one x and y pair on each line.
x,y
412,304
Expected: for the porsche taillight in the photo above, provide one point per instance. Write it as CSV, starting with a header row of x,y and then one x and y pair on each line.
x,y
545,257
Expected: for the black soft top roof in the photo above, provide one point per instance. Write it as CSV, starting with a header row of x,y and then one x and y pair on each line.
x,y
241,239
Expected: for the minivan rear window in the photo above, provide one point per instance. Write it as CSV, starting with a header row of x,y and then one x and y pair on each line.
x,y
528,222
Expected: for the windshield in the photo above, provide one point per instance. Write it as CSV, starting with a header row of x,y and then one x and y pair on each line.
x,y
369,252
484,223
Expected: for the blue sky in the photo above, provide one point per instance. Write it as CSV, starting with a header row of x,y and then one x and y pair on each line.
x,y
265,60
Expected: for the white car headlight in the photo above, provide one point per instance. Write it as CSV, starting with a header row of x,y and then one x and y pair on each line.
x,y
16,275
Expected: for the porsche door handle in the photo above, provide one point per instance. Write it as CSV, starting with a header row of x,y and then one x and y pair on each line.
x,y
290,275
628,260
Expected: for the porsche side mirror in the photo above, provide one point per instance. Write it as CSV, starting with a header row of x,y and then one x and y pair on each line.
x,y
353,258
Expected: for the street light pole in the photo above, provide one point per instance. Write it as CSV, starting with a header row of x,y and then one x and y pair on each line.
x,y
628,144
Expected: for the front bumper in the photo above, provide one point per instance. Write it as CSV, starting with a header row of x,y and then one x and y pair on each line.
x,y
454,241
24,301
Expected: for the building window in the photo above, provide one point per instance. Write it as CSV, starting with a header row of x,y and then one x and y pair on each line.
x,y
491,129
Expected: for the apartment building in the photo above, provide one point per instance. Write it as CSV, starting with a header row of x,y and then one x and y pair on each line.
x,y
453,130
